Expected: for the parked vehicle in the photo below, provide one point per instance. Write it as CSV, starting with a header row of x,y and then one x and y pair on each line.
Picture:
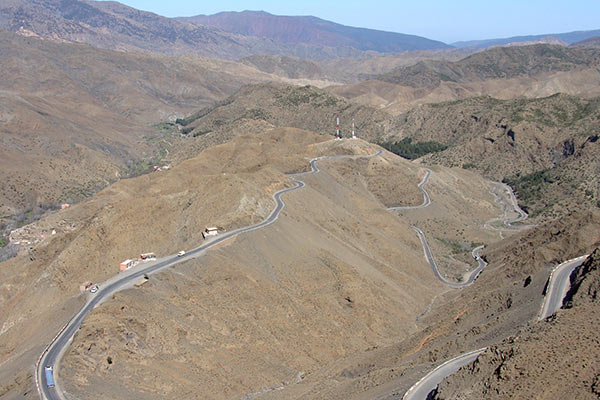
x,y
181,253
49,376
148,256
94,289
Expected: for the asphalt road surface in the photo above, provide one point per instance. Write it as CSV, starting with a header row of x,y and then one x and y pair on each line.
x,y
558,286
557,289
426,198
421,389
53,353
481,264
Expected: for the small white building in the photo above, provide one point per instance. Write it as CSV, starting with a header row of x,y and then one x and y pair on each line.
x,y
126,264
210,232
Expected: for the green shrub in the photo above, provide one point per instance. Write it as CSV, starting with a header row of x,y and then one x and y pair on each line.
x,y
407,149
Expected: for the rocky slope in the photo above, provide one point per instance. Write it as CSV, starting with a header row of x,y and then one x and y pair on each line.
x,y
591,42
336,274
74,118
546,148
115,26
559,355
288,67
303,107
567,37
345,70
496,63
318,284
504,72
504,302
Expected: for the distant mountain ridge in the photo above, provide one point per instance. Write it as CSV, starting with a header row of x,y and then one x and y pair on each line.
x,y
568,37
314,31
112,25
591,42
496,63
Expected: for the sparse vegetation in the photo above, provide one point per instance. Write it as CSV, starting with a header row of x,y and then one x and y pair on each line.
x,y
407,149
446,78
32,214
200,132
165,127
187,130
529,187
456,246
109,360
469,166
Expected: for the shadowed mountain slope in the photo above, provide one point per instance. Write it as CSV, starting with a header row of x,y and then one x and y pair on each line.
x,y
115,26
314,31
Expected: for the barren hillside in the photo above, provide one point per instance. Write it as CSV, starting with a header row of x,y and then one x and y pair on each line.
x,y
115,26
559,354
304,107
547,148
591,42
313,31
336,274
505,73
82,117
502,304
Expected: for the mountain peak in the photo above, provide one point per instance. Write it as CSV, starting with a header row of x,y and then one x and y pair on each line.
x,y
312,30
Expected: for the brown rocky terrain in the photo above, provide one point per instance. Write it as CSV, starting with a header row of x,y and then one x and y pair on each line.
x,y
288,67
496,63
546,148
303,107
504,72
503,302
345,70
566,37
313,31
74,118
559,354
339,273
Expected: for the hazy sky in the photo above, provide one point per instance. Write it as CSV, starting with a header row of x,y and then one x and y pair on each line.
x,y
443,20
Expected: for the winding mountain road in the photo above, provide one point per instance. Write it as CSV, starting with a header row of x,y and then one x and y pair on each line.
x,y
427,384
426,198
558,286
513,207
481,264
557,289
429,257
53,353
